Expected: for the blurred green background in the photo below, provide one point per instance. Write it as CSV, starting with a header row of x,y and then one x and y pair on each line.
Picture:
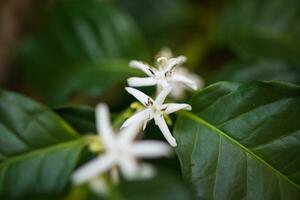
x,y
77,51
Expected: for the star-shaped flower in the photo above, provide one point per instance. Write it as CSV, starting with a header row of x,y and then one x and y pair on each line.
x,y
119,151
179,88
163,76
155,110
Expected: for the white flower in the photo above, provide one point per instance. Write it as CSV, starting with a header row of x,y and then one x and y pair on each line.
x,y
165,75
121,151
178,91
155,110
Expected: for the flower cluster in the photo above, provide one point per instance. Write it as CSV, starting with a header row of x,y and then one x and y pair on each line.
x,y
119,151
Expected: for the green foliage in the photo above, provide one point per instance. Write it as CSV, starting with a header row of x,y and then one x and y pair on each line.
x,y
81,118
38,149
259,70
83,46
159,20
260,29
242,141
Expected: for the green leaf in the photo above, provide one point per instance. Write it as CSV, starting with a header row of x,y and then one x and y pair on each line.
x,y
81,118
165,185
38,149
259,70
163,22
83,47
262,28
242,141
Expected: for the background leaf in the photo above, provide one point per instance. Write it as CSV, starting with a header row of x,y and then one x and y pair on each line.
x,y
84,46
262,29
38,149
81,118
259,70
242,141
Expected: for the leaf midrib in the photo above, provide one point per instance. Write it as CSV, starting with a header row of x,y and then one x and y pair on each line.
x,y
235,142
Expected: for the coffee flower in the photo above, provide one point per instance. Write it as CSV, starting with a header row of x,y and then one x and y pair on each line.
x,y
165,75
120,150
179,88
155,109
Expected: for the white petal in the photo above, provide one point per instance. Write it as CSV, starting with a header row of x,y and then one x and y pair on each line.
x,y
145,171
173,107
138,117
143,98
160,121
177,92
184,80
98,186
162,96
172,62
129,133
150,149
140,82
129,167
150,71
145,123
180,60
93,168
103,125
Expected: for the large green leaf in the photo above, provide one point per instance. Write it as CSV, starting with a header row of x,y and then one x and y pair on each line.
x,y
81,118
84,46
268,28
265,70
38,149
242,141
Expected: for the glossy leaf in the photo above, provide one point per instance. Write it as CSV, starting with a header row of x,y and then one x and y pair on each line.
x,y
242,141
84,46
262,28
260,70
81,118
38,149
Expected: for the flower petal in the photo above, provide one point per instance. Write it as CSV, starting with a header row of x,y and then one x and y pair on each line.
x,y
150,71
160,121
129,133
150,149
183,79
138,117
98,186
129,167
93,168
162,96
103,125
140,82
143,98
145,171
172,62
173,107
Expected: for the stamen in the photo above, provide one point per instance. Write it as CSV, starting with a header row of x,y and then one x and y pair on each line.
x,y
151,71
149,102
168,73
164,109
